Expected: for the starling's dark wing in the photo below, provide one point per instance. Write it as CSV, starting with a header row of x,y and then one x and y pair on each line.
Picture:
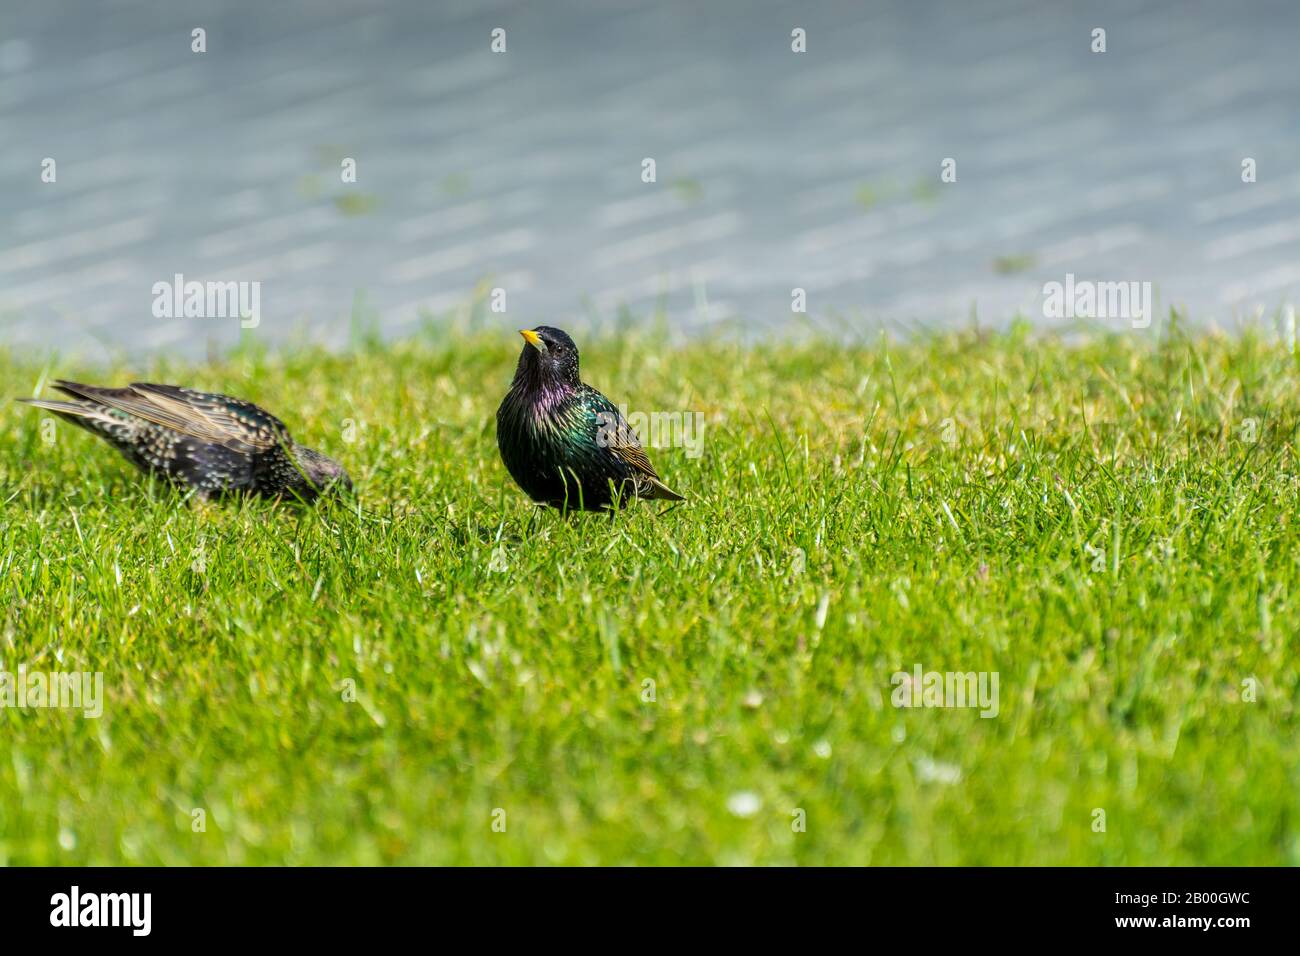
x,y
220,419
623,442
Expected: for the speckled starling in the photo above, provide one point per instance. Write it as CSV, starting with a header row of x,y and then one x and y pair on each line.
x,y
565,443
212,443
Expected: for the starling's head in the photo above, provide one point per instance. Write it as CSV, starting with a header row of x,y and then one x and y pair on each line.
x,y
549,356
320,475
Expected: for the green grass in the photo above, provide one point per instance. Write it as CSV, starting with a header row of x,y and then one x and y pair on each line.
x,y
1107,524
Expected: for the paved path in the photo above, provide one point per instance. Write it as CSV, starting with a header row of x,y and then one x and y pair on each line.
x,y
522,170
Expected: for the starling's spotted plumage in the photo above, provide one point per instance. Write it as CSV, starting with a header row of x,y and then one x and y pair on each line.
x,y
566,444
211,443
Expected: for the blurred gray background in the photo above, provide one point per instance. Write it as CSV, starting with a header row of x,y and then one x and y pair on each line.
x,y
523,170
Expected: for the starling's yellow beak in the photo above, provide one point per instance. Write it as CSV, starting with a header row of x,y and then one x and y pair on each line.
x,y
533,339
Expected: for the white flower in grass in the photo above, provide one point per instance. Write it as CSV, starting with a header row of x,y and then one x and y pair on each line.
x,y
744,804
933,771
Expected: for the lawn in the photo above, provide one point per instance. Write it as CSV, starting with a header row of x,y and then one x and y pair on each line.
x,y
439,674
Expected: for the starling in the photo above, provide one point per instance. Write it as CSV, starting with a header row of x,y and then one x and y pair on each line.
x,y
563,442
212,443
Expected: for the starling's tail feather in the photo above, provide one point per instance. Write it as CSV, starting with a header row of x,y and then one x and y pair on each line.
x,y
85,414
65,408
90,393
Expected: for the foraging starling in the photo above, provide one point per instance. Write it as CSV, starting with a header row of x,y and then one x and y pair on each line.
x,y
564,443
212,443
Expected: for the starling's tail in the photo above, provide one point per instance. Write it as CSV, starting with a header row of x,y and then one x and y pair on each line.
x,y
88,415
63,408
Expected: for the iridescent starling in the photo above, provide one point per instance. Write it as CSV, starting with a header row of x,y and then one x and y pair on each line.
x,y
212,443
563,442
